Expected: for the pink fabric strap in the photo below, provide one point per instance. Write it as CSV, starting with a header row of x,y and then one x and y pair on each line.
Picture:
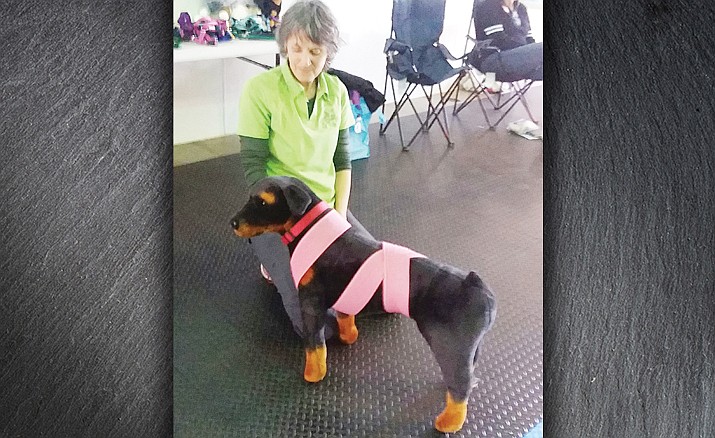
x,y
363,285
315,241
396,286
389,265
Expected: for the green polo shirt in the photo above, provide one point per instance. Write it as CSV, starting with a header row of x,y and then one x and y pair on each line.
x,y
273,106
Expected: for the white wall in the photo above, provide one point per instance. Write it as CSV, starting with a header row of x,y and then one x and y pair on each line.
x,y
206,97
203,89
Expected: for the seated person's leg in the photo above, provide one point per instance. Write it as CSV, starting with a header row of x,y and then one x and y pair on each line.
x,y
525,62
274,256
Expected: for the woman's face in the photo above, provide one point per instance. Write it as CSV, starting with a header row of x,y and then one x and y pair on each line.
x,y
305,58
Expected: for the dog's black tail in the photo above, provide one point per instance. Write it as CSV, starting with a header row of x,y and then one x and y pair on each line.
x,y
473,280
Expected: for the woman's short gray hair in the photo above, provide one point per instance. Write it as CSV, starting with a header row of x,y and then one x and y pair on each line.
x,y
315,20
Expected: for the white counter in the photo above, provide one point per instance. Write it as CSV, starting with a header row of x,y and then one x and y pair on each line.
x,y
208,82
190,51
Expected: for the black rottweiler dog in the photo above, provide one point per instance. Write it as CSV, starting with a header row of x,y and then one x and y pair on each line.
x,y
453,309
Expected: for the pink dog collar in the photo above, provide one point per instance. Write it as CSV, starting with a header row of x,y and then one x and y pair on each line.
x,y
305,222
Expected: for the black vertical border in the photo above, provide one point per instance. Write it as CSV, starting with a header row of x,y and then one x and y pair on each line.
x,y
629,219
86,266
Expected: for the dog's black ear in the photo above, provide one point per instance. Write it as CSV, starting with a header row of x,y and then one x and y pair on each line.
x,y
298,199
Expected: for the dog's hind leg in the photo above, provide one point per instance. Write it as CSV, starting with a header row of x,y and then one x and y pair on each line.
x,y
457,365
346,325
453,416
455,333
455,357
457,374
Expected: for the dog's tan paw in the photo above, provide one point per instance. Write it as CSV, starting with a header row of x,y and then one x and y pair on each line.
x,y
350,337
348,330
316,366
453,416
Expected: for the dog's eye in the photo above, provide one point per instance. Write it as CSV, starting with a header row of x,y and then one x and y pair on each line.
x,y
263,203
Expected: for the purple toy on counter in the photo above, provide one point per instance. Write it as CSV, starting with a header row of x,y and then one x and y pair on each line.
x,y
186,28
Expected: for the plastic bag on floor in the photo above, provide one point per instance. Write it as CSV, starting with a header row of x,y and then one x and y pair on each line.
x,y
525,128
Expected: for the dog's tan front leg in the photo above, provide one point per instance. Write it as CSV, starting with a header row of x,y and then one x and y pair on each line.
x,y
316,366
348,331
313,311
452,417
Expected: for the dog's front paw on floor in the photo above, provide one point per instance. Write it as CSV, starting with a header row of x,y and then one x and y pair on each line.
x,y
348,331
315,364
350,337
453,416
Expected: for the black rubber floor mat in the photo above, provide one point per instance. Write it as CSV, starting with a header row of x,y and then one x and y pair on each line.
x,y
237,363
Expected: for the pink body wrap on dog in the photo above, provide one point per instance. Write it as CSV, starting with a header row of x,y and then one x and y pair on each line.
x,y
389,265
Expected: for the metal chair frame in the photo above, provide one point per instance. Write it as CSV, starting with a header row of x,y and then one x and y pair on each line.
x,y
436,111
519,87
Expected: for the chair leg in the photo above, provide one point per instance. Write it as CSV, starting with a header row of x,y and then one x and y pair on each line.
x,y
434,111
396,113
414,110
499,104
399,105
405,98
383,127
430,113
519,96
456,98
438,109
470,97
431,109
479,89
384,102
441,106
453,89
522,98
407,148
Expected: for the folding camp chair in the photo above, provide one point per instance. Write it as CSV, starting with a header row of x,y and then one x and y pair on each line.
x,y
414,54
518,85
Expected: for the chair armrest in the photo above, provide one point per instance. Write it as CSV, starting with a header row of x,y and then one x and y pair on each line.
x,y
392,44
446,53
483,44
